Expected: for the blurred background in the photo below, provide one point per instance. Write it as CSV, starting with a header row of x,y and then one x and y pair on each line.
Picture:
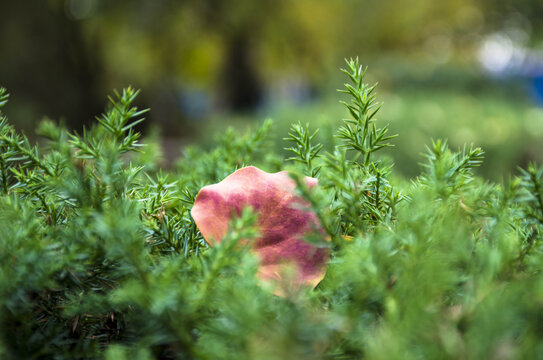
x,y
465,70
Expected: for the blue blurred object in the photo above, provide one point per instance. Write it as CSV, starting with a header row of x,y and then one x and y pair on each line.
x,y
194,104
536,87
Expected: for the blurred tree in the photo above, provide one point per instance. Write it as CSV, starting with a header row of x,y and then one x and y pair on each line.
x,y
215,45
48,62
59,57
524,15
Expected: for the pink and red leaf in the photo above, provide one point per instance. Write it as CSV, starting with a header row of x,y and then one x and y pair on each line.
x,y
284,222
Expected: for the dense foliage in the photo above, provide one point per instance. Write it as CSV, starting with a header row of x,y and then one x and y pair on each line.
x,y
100,257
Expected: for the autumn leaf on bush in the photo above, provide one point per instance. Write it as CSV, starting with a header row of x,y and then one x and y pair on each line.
x,y
284,222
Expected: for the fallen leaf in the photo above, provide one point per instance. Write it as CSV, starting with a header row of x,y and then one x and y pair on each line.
x,y
287,260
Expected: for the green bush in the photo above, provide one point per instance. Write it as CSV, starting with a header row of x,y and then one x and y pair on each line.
x,y
507,124
100,257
